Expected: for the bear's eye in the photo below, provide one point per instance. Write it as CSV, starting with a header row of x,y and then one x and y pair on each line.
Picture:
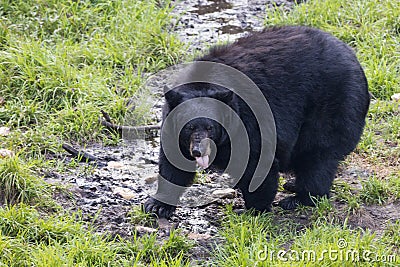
x,y
209,127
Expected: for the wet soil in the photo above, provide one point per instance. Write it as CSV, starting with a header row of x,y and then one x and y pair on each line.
x,y
106,193
203,23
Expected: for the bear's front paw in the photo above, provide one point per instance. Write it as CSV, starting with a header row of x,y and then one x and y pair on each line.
x,y
162,210
290,186
289,203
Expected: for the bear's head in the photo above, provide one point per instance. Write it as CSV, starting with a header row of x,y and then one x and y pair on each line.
x,y
200,114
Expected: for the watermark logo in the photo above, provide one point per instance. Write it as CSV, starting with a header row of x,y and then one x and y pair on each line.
x,y
260,123
342,243
344,253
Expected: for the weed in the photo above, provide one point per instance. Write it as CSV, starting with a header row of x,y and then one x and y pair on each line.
x,y
201,177
345,194
371,27
61,62
27,238
139,217
392,234
375,191
18,184
342,190
323,210
353,205
381,135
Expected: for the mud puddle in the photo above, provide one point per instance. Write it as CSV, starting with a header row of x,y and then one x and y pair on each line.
x,y
203,23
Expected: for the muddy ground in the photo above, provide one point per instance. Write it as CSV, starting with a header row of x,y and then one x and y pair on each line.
x,y
125,174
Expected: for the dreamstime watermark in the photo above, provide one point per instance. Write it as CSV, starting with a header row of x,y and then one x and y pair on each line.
x,y
216,77
343,253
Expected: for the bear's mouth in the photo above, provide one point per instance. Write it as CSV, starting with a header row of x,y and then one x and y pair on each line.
x,y
203,161
200,149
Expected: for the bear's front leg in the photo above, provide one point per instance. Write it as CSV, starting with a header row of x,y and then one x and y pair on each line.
x,y
262,198
171,184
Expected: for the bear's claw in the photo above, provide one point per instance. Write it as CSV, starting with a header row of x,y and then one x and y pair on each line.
x,y
289,203
162,210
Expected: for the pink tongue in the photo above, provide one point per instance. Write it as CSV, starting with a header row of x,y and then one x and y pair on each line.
x,y
202,161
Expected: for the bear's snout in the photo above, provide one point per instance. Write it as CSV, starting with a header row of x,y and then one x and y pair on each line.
x,y
200,148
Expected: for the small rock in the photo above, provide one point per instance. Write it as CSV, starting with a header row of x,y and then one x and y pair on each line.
x,y
2,101
129,183
150,179
115,164
125,193
195,236
164,224
396,97
80,181
4,131
144,229
198,222
224,193
5,153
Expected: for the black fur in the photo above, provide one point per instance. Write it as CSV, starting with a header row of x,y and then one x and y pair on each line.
x,y
319,97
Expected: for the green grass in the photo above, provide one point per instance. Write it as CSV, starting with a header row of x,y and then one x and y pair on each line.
x,y
381,137
139,217
371,27
61,62
375,191
260,241
30,239
18,183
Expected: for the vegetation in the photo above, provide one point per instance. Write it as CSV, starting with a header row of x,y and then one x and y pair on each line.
x,y
371,27
64,61
61,62
18,183
265,241
30,239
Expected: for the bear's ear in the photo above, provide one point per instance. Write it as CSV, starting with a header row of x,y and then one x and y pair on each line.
x,y
224,96
172,97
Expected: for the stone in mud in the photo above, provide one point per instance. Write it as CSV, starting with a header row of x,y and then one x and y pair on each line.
x,y
125,193
4,131
224,193
115,165
396,97
5,153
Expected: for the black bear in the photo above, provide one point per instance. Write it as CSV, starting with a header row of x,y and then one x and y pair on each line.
x,y
317,92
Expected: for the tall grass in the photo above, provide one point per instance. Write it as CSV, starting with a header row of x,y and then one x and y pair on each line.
x,y
18,183
30,239
371,27
63,61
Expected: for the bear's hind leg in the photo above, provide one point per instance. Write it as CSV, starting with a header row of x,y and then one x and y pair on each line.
x,y
314,177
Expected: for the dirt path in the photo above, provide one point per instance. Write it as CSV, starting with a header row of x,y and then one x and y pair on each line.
x,y
203,23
